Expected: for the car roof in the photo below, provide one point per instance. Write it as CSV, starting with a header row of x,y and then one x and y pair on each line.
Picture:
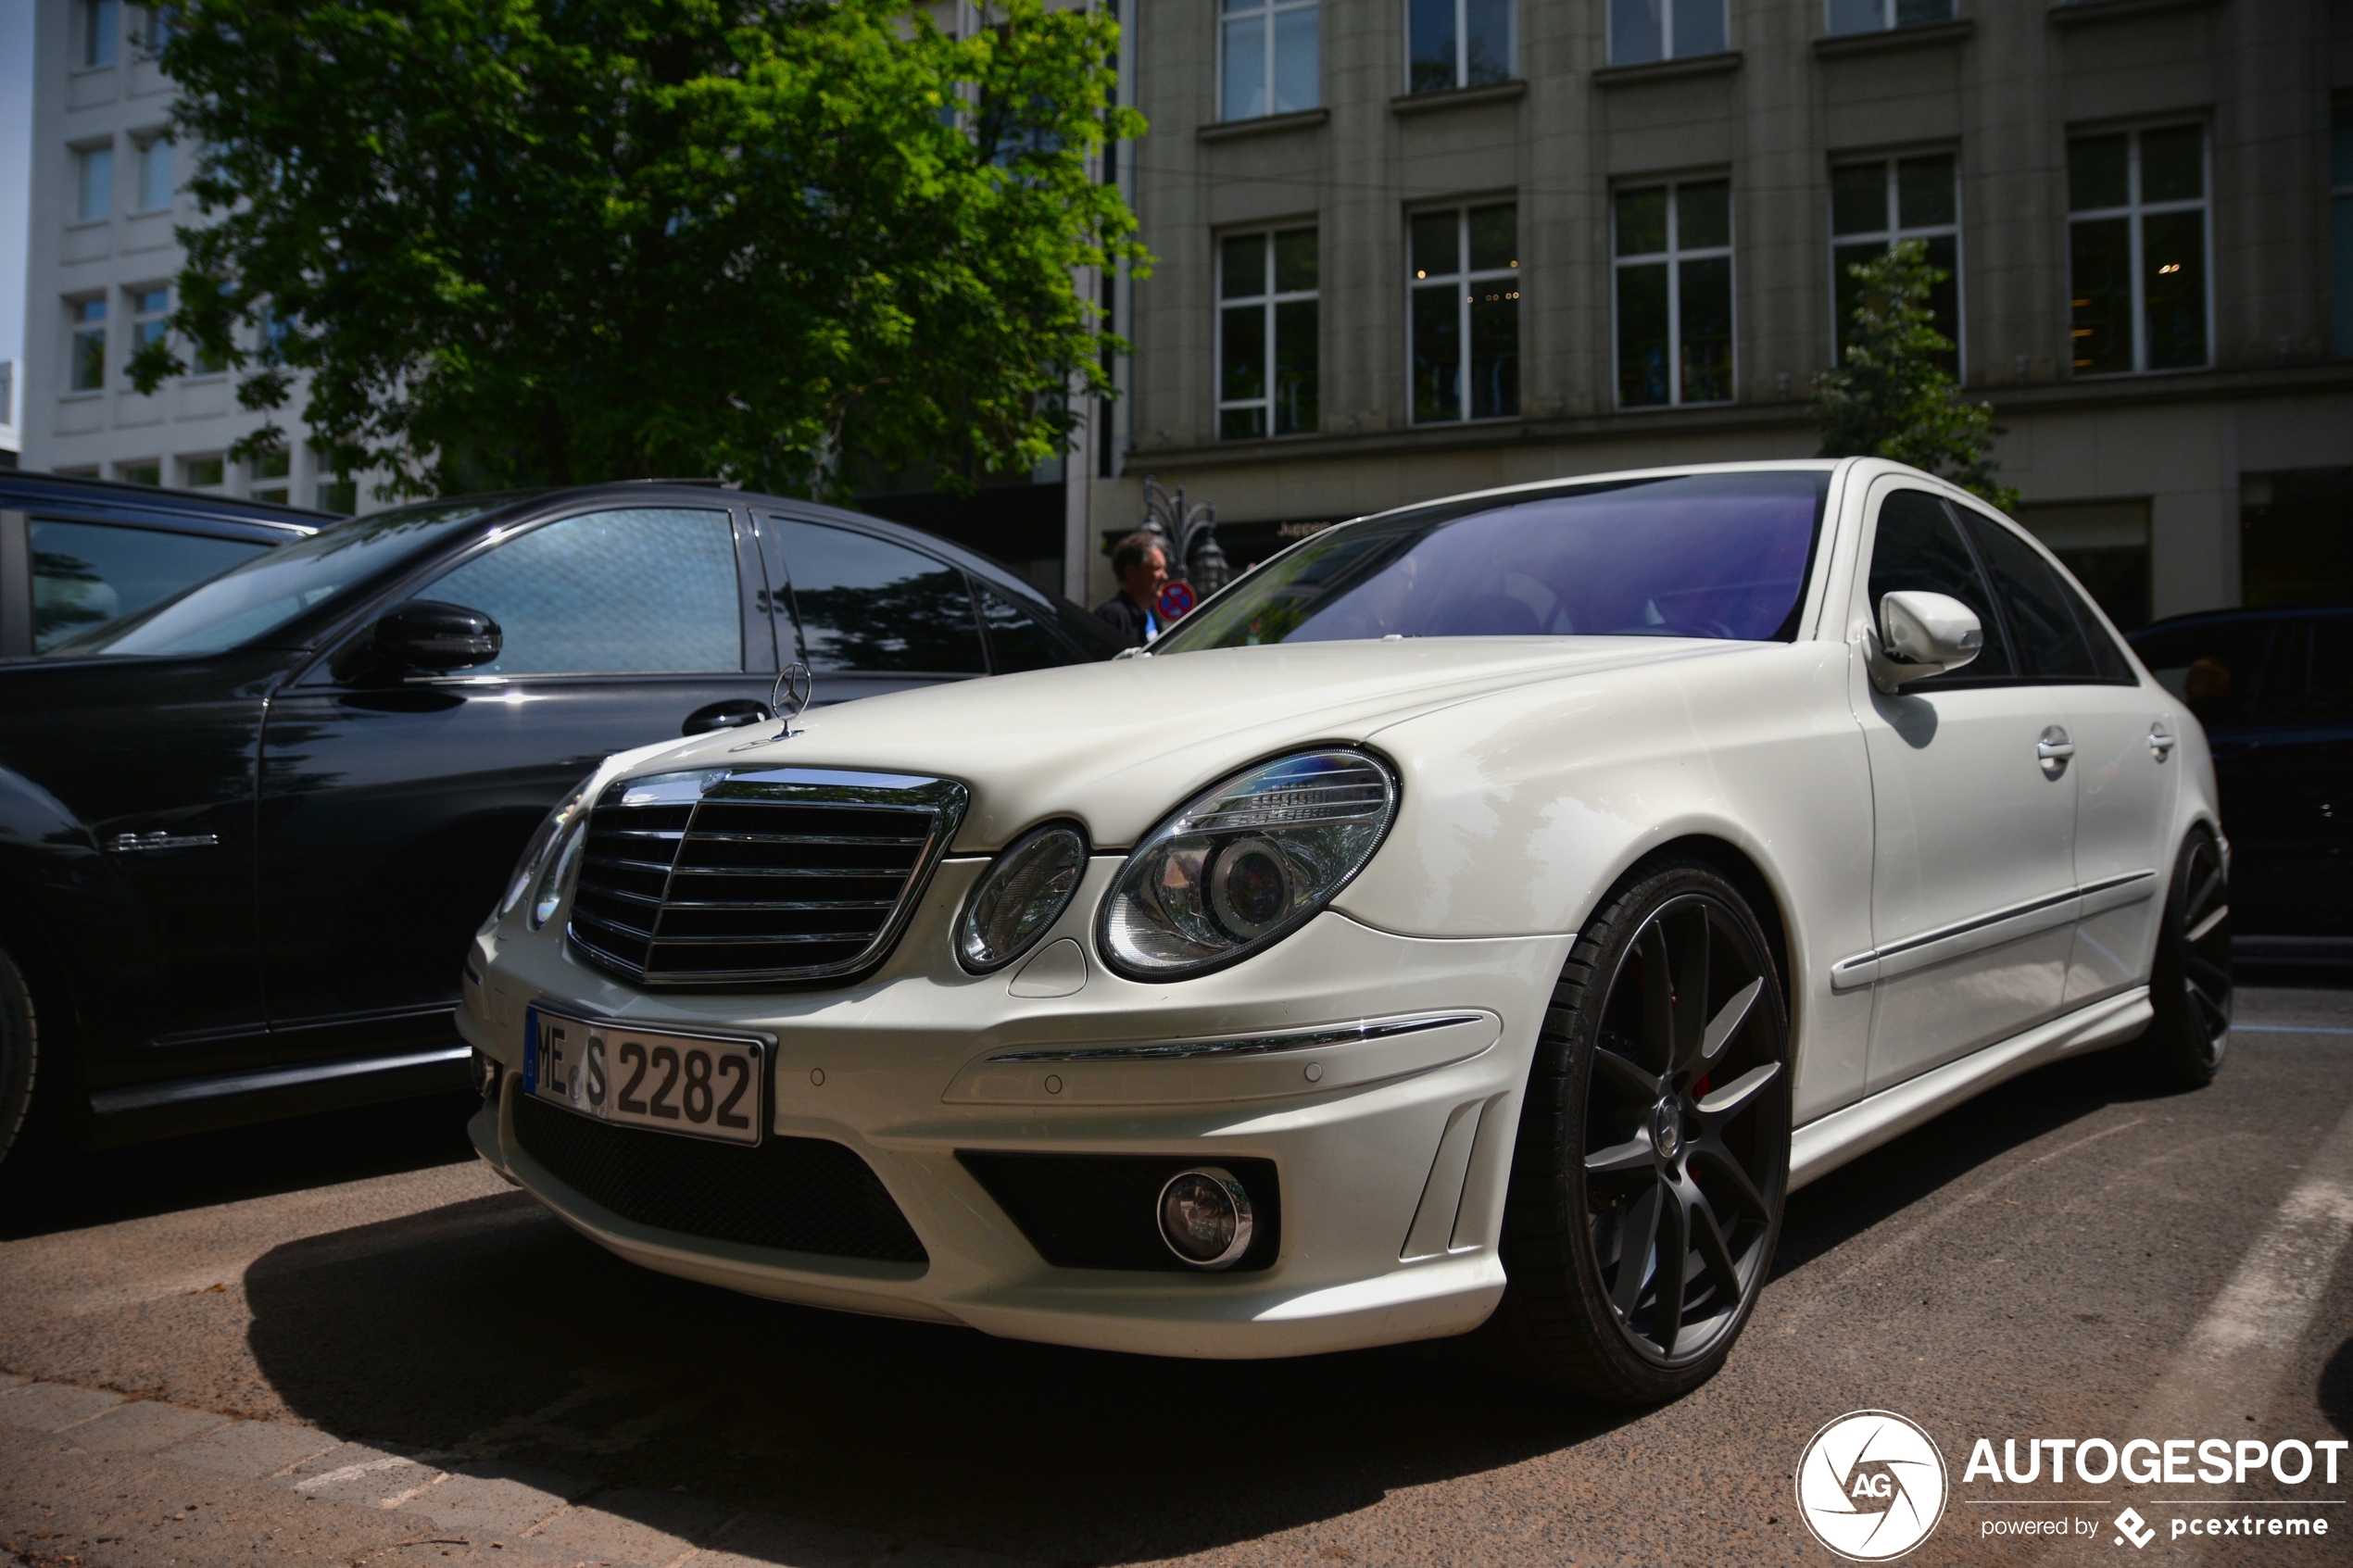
x,y
186,511
2257,616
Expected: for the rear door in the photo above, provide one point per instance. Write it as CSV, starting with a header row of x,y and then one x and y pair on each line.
x,y
392,810
2291,828
874,614
2125,737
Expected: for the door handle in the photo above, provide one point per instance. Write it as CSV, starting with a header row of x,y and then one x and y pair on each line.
x,y
2053,750
731,714
2160,743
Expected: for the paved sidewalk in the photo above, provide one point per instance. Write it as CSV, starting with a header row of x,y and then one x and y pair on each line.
x,y
89,1477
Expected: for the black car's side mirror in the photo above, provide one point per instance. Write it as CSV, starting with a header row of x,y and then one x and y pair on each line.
x,y
430,635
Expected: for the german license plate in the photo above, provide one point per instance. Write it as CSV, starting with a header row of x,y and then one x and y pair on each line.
x,y
699,1085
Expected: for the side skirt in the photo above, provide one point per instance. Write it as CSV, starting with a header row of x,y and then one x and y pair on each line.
x,y
228,1100
1822,1146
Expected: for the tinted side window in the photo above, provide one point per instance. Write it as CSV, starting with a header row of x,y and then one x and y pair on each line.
x,y
2214,669
2051,645
640,592
87,573
1015,641
866,603
1920,550
2328,692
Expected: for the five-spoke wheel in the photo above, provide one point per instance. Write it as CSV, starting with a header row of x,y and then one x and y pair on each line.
x,y
2190,983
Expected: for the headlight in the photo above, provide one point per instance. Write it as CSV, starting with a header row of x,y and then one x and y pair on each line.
x,y
1020,897
555,880
570,809
1244,863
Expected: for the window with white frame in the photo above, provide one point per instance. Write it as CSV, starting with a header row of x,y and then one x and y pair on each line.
x,y
203,472
156,30
270,476
86,345
1452,43
1643,30
148,309
1463,312
1267,334
154,174
93,184
140,471
1875,204
99,22
1266,59
1674,293
2136,241
1884,15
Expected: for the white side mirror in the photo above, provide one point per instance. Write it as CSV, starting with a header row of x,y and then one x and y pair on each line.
x,y
1922,635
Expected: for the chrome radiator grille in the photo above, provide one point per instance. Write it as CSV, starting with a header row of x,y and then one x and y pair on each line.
x,y
719,877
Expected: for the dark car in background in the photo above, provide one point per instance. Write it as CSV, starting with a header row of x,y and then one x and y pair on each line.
x,y
2274,690
76,553
246,832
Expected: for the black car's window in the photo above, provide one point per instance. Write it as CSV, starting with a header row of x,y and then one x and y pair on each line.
x,y
247,603
2051,645
867,604
85,574
2215,671
2278,698
1920,550
2328,687
1707,555
645,591
1015,641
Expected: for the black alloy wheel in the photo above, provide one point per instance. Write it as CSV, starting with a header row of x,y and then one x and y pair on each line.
x,y
2190,983
1654,1152
19,1053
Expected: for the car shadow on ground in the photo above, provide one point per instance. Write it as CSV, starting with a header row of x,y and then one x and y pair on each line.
x,y
60,1190
488,1329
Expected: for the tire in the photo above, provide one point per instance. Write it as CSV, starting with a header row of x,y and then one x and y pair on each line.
x,y
19,1055
1647,1117
2190,982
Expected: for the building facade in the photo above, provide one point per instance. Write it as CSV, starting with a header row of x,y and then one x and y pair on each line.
x,y
100,271
1408,247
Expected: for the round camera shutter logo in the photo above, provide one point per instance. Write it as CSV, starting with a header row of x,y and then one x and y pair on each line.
x,y
1870,1485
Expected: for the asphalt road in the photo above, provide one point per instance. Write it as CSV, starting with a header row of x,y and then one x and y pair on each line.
x,y
2064,1257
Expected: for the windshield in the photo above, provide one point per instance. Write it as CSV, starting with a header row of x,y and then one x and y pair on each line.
x,y
252,600
1707,555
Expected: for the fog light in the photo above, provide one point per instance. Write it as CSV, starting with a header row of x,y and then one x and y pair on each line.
x,y
1204,1217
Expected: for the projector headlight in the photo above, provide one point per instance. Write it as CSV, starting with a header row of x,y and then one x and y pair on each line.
x,y
1020,897
572,809
1246,862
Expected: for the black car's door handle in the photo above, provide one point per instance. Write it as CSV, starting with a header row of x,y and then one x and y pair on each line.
x,y
733,713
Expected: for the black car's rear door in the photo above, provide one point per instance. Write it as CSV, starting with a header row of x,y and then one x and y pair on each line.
x,y
391,811
875,615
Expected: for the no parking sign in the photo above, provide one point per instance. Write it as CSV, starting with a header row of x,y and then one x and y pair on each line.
x,y
1176,598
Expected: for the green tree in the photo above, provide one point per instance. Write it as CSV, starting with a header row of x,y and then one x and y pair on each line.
x,y
524,242
1890,397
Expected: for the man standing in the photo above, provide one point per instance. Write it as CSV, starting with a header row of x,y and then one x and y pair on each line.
x,y
1143,566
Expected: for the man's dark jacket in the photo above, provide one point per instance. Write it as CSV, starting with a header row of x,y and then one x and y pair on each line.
x,y
1123,616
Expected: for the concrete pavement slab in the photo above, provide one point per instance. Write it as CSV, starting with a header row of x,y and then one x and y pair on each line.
x,y
44,1407
144,1427
364,1475
631,1528
253,1448
496,1498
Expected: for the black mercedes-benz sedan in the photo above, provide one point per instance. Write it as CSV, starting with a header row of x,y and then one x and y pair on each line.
x,y
246,831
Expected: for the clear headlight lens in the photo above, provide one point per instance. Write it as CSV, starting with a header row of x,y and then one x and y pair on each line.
x,y
1020,897
1245,862
570,809
555,880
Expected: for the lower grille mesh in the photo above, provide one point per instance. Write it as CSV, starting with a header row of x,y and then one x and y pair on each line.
x,y
798,1194
1102,1210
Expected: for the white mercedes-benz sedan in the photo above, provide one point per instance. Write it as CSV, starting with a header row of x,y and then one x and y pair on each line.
x,y
1484,913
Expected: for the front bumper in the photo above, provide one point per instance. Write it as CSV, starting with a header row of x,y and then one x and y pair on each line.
x,y
1392,1156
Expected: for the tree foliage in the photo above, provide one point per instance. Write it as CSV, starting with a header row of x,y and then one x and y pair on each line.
x,y
523,242
1890,396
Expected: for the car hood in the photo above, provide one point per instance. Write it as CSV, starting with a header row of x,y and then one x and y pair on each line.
x,y
1119,745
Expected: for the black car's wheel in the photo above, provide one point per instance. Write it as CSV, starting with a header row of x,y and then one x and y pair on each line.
x,y
2190,983
1654,1146
19,1053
